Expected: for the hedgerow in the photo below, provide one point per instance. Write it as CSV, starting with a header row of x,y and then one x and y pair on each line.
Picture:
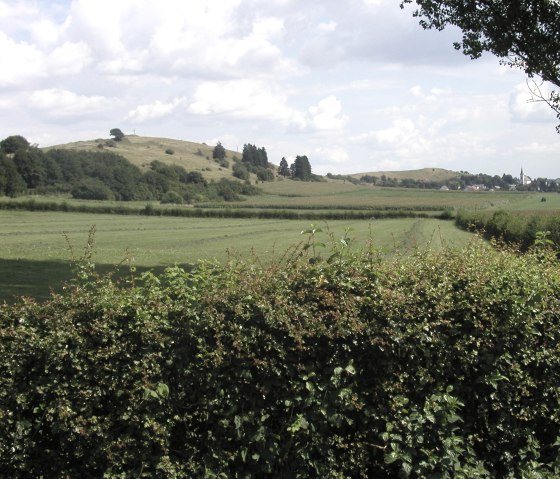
x,y
510,227
226,212
437,365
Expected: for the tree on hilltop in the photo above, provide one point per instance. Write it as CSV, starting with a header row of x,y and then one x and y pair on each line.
x,y
524,34
284,169
301,168
219,152
117,134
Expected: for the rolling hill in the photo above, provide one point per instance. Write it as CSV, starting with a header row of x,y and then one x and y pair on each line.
x,y
141,150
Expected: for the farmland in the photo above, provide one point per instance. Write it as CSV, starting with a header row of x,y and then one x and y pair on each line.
x,y
37,247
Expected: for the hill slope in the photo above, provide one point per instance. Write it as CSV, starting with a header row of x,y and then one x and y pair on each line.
x,y
141,150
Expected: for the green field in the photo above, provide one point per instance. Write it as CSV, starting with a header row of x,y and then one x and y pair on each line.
x,y
36,247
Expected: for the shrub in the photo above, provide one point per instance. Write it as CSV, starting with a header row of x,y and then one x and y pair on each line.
x,y
172,197
436,365
91,189
239,170
170,151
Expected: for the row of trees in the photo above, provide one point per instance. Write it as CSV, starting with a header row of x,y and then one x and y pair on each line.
x,y
104,175
464,179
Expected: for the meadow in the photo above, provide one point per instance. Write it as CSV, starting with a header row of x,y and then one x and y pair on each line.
x,y
37,247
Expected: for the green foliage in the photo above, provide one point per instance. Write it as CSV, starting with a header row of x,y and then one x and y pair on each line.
x,y
301,168
219,152
283,168
512,228
11,182
13,143
254,156
169,151
172,197
240,171
438,365
117,134
91,189
104,175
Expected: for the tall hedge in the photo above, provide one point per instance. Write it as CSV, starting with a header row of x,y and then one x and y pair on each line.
x,y
439,365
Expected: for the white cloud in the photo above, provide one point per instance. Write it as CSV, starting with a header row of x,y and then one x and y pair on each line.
x,y
245,99
201,38
326,115
350,81
64,103
69,58
525,107
327,26
332,155
21,61
45,32
151,111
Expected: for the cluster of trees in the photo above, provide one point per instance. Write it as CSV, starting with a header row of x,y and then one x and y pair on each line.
x,y
104,175
300,169
254,160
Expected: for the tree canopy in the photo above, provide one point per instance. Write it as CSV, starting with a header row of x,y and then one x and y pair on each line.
x,y
301,168
524,34
117,134
284,169
13,143
219,152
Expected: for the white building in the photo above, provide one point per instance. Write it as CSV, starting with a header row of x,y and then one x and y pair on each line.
x,y
524,179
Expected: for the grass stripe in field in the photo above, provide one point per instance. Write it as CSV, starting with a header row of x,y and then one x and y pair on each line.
x,y
31,239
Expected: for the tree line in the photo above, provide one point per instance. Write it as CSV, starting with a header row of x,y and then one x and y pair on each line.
x,y
462,181
102,175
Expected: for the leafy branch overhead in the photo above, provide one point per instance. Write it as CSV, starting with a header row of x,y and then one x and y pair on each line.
x,y
523,34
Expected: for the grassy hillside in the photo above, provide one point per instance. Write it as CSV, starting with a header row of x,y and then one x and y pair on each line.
x,y
141,150
424,174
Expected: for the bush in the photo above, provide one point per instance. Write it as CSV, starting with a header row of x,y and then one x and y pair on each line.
x,y
92,189
239,170
438,365
513,228
170,151
172,197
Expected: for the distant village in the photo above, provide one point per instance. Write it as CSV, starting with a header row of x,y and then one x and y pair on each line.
x,y
465,181
523,183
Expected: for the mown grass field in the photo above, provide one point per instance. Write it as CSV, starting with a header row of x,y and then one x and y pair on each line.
x,y
36,247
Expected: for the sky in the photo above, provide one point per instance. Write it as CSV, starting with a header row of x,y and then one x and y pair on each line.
x,y
357,86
